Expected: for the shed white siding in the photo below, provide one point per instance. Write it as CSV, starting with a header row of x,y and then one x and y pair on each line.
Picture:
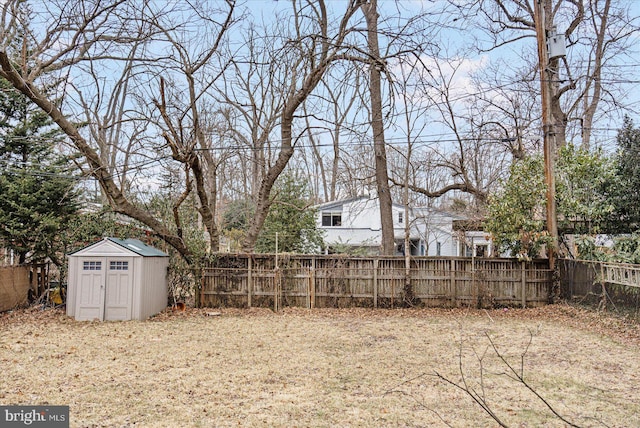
x,y
154,271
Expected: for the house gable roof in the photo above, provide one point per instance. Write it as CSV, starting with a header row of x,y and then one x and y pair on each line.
x,y
335,204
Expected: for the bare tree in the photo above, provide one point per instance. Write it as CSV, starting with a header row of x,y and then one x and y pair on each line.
x,y
413,127
254,89
110,124
597,32
376,67
80,36
462,163
317,45
503,111
183,124
332,120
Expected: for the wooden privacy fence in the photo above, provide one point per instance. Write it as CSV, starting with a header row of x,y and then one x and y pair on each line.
x,y
600,283
335,281
17,282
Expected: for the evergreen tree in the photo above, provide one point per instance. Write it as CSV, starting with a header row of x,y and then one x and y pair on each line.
x,y
585,180
627,197
517,213
235,222
37,196
515,216
291,221
237,215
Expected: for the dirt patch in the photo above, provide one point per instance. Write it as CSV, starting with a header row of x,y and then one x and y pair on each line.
x,y
326,368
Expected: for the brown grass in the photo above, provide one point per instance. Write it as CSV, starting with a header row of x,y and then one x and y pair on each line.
x,y
326,368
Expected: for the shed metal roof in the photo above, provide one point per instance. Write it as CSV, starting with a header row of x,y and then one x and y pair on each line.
x,y
138,247
133,245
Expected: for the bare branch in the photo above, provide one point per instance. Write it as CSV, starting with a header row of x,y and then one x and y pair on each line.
x,y
518,375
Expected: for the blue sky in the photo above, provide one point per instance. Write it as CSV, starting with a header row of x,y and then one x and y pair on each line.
x,y
627,64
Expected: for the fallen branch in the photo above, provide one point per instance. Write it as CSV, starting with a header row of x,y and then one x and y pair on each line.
x,y
519,377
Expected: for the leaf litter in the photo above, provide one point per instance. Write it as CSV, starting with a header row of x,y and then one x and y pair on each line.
x,y
325,367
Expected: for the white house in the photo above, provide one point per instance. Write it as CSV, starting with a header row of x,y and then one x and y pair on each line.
x,y
355,223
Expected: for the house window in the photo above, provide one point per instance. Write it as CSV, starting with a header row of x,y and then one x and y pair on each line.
x,y
400,217
481,251
91,265
438,248
331,219
118,265
468,251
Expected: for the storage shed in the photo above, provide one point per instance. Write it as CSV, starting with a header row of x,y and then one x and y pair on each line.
x,y
117,279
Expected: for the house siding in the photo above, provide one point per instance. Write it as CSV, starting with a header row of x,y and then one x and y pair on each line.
x,y
360,226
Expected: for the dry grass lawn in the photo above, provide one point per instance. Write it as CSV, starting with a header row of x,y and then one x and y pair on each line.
x,y
326,368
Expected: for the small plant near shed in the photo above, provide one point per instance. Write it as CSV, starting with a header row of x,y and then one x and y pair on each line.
x,y
182,281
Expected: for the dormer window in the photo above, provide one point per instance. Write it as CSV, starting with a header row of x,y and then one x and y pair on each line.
x,y
400,217
332,218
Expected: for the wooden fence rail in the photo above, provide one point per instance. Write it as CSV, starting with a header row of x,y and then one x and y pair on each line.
x,y
336,281
621,274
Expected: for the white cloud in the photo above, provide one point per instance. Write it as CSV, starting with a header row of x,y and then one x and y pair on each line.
x,y
433,76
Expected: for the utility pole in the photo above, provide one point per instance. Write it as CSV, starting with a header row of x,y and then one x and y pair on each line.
x,y
548,131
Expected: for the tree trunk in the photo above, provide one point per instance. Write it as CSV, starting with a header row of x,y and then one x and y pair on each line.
x,y
595,82
370,11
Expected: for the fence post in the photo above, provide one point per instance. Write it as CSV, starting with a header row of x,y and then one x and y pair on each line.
x,y
200,293
249,279
603,299
375,283
524,284
276,289
309,286
312,284
474,285
452,282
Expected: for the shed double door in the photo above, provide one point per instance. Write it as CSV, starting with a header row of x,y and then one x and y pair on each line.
x,y
106,289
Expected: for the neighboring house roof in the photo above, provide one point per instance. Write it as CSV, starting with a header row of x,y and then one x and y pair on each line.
x,y
429,211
